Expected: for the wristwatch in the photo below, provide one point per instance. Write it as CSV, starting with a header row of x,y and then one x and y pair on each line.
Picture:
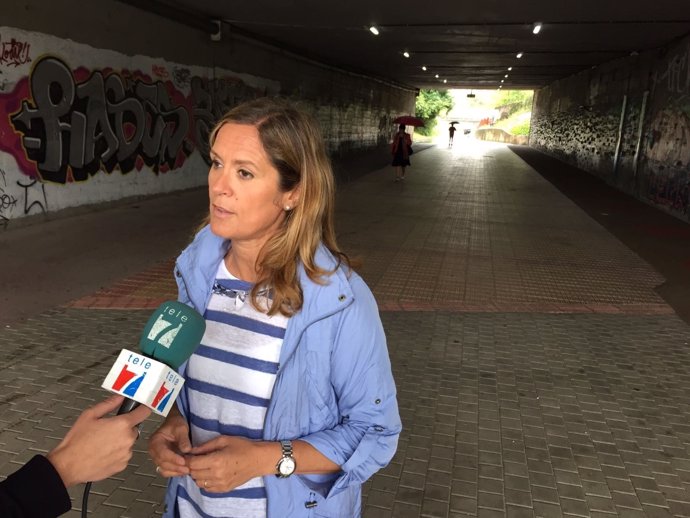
x,y
286,465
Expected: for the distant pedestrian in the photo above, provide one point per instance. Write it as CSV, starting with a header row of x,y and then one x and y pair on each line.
x,y
401,149
451,133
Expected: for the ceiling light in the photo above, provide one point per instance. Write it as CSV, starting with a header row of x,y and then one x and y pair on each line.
x,y
505,75
374,30
518,55
536,28
510,68
436,76
502,80
424,68
406,54
445,80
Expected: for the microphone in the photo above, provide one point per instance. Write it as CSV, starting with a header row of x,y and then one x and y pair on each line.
x,y
168,339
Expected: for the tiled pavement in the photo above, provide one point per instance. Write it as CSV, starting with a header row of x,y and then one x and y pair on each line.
x,y
539,373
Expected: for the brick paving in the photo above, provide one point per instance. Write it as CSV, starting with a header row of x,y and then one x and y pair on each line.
x,y
539,372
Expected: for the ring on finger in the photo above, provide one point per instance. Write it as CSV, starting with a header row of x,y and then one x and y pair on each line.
x,y
158,469
205,483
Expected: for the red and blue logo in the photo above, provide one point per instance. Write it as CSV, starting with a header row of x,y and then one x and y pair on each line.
x,y
127,382
162,397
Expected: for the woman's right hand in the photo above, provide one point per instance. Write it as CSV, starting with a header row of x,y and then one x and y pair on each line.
x,y
169,444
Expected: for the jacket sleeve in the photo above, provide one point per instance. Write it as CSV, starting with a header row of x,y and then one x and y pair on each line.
x,y
18,493
366,437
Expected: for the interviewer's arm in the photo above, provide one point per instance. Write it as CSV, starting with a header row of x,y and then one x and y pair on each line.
x,y
95,448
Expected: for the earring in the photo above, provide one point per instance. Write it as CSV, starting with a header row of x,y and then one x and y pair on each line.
x,y
287,207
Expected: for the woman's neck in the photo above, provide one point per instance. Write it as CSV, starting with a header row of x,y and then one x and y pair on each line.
x,y
242,263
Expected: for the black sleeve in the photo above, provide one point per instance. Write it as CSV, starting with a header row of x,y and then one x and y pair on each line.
x,y
34,491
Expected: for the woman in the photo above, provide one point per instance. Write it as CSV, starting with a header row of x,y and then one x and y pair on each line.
x,y
289,403
400,149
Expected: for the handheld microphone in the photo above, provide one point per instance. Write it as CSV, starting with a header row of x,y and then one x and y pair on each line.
x,y
168,339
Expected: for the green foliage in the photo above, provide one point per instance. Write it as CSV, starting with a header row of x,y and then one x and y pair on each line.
x,y
516,124
429,104
514,101
520,129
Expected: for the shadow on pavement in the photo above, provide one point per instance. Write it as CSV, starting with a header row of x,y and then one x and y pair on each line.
x,y
659,238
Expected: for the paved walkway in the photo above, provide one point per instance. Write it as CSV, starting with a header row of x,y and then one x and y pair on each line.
x,y
541,372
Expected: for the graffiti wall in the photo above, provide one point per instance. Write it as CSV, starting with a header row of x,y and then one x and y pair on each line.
x,y
666,161
627,122
80,125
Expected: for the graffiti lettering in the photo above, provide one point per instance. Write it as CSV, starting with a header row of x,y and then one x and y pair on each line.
x,y
211,100
181,76
160,71
7,201
14,53
36,192
72,130
676,75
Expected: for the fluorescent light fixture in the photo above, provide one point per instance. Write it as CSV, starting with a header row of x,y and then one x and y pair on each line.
x,y
406,54
518,55
424,68
374,30
536,28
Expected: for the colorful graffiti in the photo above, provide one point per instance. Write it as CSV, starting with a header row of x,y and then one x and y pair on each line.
x,y
64,126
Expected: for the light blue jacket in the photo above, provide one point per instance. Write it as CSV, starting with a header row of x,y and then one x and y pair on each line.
x,y
334,388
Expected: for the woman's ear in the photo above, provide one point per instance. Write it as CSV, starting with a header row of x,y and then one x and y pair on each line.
x,y
292,197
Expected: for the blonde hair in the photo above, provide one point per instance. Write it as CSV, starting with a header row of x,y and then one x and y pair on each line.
x,y
293,142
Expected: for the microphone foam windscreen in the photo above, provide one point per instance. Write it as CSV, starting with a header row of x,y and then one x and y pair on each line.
x,y
172,333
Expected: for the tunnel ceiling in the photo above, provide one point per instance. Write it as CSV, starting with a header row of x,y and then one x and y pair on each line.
x,y
469,44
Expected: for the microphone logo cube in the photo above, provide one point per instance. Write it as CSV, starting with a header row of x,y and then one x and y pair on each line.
x,y
144,380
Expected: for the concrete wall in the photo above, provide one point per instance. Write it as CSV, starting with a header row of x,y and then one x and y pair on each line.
x,y
597,119
499,135
100,101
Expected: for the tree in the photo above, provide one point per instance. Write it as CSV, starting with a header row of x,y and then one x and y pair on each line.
x,y
513,101
429,104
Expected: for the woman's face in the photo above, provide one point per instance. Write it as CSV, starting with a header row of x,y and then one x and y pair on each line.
x,y
246,204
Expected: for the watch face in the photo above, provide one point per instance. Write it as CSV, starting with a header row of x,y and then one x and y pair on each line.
x,y
286,466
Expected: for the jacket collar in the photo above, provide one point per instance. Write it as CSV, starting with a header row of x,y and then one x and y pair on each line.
x,y
199,262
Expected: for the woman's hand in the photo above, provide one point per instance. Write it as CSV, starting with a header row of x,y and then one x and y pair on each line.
x,y
226,462
169,445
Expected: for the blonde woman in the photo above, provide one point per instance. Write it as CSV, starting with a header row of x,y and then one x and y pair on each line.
x,y
290,404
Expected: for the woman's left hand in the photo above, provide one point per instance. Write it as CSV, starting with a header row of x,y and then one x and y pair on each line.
x,y
224,463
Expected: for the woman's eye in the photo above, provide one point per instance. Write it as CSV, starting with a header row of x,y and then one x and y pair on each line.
x,y
215,163
245,174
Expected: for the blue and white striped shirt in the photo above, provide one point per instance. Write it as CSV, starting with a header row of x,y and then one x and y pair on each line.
x,y
229,381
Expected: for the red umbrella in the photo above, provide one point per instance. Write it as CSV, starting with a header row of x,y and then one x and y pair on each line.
x,y
409,120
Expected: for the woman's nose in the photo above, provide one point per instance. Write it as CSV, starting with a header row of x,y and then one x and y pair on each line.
x,y
221,185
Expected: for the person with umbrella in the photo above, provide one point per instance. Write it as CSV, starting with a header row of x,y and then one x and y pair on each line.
x,y
401,149
451,133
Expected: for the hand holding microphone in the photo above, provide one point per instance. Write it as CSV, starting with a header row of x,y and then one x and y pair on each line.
x,y
97,446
